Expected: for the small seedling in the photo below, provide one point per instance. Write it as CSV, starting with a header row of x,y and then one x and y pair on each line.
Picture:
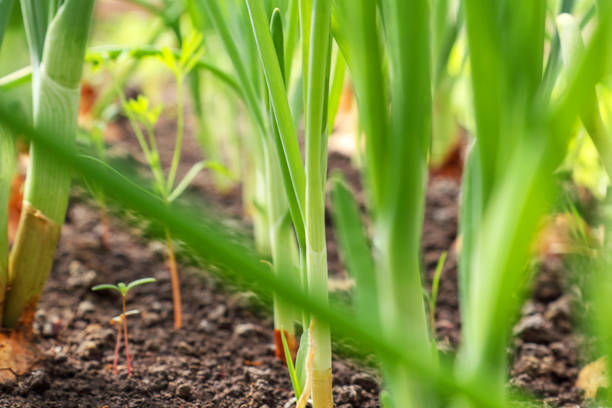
x,y
121,320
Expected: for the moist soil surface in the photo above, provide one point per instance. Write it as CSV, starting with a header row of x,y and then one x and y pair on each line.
x,y
224,355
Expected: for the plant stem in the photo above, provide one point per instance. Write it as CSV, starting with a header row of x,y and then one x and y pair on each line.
x,y
125,336
56,100
176,288
316,252
176,157
283,249
7,169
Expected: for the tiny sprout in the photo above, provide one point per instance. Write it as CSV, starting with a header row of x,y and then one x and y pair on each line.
x,y
121,320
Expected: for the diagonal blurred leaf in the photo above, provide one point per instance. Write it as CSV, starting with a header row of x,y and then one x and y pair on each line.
x,y
355,249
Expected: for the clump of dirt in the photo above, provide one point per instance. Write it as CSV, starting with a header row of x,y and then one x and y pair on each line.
x,y
546,344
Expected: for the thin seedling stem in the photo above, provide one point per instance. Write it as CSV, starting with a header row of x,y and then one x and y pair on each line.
x,y
125,337
176,288
178,146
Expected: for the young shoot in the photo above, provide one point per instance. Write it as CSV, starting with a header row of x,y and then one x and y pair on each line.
x,y
143,117
435,285
295,383
121,320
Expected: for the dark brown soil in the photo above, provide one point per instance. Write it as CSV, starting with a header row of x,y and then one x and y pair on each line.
x,y
546,346
224,356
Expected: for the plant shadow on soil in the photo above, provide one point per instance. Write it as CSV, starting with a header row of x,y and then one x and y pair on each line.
x,y
224,355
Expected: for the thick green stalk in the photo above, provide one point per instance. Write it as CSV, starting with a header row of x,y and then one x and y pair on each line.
x,y
282,244
56,104
282,241
486,65
7,169
316,252
261,224
501,248
399,223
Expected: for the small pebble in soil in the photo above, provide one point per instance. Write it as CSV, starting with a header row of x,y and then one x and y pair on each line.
x,y
347,394
245,329
254,373
157,248
79,278
365,381
547,284
89,350
85,307
184,391
535,329
217,313
151,345
559,310
205,326
151,318
38,382
157,306
185,348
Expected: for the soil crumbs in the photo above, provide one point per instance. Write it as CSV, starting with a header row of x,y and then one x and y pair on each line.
x,y
224,356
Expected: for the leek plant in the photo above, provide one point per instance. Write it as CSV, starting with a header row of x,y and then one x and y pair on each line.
x,y
301,184
274,210
522,133
397,140
305,184
57,36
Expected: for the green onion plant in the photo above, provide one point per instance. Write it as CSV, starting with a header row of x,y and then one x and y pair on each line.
x,y
57,36
397,140
522,132
273,211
